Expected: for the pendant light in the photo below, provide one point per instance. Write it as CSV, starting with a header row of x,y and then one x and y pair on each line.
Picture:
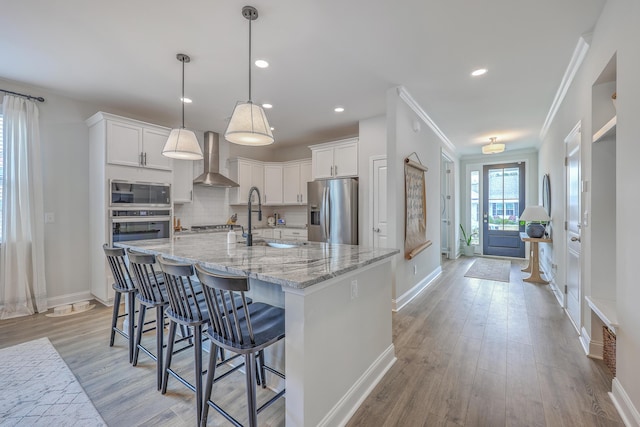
x,y
182,143
248,124
493,148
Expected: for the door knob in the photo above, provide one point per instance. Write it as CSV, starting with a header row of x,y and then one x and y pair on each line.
x,y
575,239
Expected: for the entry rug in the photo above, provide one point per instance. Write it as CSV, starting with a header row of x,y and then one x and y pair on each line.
x,y
37,388
490,269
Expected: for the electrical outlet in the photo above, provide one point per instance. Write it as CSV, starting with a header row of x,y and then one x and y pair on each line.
x,y
415,270
354,289
49,217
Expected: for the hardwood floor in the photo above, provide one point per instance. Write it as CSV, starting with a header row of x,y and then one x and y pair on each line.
x,y
475,352
470,352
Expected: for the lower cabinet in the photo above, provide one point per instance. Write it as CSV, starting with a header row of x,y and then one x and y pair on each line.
x,y
293,234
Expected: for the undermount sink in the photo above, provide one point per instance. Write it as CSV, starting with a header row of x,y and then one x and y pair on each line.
x,y
281,245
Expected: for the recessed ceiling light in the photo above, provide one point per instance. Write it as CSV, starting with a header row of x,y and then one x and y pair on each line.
x,y
272,128
338,109
267,106
478,72
261,63
186,100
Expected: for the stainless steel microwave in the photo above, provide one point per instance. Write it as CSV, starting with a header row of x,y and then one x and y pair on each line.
x,y
139,194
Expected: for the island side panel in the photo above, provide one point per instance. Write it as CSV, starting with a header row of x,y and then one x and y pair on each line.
x,y
337,345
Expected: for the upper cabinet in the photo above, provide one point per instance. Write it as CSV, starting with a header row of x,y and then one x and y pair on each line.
x,y
247,173
272,194
335,159
182,181
137,144
295,176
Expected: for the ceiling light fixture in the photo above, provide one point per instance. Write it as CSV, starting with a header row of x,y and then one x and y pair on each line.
x,y
479,72
182,143
186,100
267,106
339,109
492,147
261,63
248,124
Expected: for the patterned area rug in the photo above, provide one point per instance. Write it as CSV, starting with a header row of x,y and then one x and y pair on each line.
x,y
39,389
490,269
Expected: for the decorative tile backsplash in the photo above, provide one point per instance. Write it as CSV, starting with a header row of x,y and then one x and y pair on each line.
x,y
211,206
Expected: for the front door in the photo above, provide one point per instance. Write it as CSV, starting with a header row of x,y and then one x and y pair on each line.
x,y
503,202
572,299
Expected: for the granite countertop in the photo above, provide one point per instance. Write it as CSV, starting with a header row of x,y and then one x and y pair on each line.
x,y
298,267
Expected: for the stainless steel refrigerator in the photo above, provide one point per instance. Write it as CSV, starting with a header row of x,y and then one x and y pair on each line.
x,y
332,212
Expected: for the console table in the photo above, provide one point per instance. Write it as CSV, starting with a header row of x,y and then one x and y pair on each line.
x,y
534,263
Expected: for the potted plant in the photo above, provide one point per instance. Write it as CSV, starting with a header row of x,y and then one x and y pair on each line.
x,y
467,248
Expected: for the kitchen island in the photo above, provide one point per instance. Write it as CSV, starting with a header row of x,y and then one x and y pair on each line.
x,y
337,301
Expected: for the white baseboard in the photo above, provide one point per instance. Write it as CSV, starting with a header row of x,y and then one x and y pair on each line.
x,y
69,299
398,303
629,413
342,412
593,349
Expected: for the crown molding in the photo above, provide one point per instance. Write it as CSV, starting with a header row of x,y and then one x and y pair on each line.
x,y
578,56
408,99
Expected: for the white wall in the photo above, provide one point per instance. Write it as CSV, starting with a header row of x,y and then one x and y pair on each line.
x,y
616,33
402,140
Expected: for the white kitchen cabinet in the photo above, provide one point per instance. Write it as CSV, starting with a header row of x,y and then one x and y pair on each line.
x,y
182,181
137,144
117,147
265,233
295,174
293,234
335,159
247,173
272,184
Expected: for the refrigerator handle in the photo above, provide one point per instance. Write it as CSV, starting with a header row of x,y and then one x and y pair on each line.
x,y
328,214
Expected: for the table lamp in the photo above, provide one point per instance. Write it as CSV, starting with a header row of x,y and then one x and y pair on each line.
x,y
535,216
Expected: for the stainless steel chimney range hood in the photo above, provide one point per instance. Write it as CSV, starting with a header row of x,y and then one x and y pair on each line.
x,y
211,176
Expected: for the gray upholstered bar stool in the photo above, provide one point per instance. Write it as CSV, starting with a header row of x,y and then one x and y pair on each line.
x,y
151,294
247,330
123,285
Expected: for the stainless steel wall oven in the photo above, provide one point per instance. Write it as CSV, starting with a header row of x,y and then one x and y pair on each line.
x,y
139,224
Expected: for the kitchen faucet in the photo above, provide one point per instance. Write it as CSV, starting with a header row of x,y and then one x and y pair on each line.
x,y
248,234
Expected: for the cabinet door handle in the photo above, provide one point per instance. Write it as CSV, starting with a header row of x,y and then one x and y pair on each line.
x,y
335,169
331,173
145,158
191,195
140,159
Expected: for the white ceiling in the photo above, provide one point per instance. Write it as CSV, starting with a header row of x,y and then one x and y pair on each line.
x,y
120,54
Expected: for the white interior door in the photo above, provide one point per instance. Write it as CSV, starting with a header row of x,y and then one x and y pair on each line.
x,y
379,202
573,209
446,206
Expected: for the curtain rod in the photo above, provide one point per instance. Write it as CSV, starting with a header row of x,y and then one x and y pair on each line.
x,y
37,98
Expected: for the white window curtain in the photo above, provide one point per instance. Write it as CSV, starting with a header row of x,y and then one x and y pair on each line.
x,y
22,278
